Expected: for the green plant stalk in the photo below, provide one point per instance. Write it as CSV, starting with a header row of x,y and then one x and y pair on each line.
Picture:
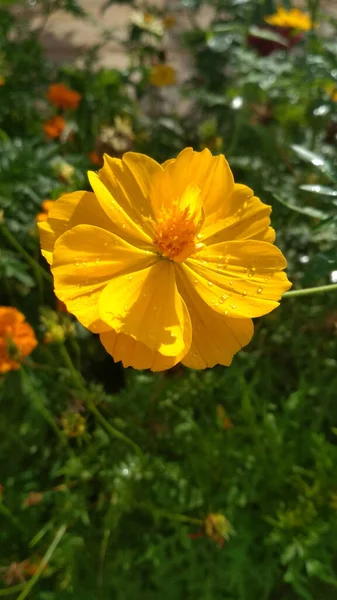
x,y
40,407
158,512
59,535
12,590
308,291
7,513
38,270
91,405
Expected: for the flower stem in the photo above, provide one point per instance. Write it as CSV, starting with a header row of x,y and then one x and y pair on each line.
x,y
39,271
40,406
12,590
308,291
158,512
7,513
59,535
115,433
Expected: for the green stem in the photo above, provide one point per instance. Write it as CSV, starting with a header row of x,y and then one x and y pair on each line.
x,y
12,590
309,291
38,270
40,406
173,516
115,433
59,535
7,513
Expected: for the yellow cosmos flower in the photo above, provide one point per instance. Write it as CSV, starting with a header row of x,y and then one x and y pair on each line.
x,y
162,75
166,262
293,18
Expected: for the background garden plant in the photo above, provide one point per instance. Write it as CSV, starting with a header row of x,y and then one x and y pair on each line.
x,y
212,484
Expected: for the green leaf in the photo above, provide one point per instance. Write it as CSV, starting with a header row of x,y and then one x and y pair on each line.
x,y
322,190
267,34
303,210
316,160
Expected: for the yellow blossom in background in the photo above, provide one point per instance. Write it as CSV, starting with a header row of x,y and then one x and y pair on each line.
x,y
218,528
73,424
168,262
293,18
162,75
46,205
2,81
17,339
331,90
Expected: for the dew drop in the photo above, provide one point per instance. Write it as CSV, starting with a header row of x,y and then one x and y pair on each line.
x,y
210,283
221,300
130,277
230,283
226,312
196,282
123,225
233,306
126,307
260,290
199,236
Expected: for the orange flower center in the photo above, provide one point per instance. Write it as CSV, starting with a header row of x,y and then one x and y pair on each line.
x,y
176,231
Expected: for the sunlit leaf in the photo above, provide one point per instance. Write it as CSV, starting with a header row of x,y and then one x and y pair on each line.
x,y
322,190
318,161
309,211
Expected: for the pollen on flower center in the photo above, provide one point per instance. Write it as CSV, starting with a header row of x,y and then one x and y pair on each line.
x,y
175,234
176,227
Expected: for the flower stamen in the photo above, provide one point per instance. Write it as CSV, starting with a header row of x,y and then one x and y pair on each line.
x,y
176,228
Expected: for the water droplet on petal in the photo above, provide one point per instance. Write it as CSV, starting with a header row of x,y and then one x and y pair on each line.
x,y
260,290
226,312
130,277
126,307
244,293
233,306
210,283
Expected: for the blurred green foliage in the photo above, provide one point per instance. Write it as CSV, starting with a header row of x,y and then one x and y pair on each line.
x,y
255,442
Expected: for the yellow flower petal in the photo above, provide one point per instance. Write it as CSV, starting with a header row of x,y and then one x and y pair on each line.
x,y
147,306
215,338
248,218
135,354
56,223
123,223
86,258
211,174
239,279
130,181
